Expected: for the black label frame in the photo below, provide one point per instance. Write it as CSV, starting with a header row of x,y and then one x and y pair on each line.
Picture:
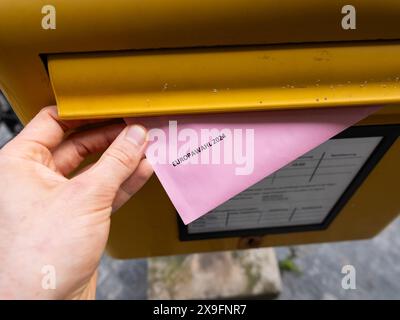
x,y
389,134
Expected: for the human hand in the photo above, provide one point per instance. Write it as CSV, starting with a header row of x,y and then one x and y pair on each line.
x,y
48,219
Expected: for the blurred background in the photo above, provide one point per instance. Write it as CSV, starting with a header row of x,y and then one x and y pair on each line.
x,y
298,272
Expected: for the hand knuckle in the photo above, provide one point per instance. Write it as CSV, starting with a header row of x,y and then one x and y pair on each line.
x,y
122,156
144,175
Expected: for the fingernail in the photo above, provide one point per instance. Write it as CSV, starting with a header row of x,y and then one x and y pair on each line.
x,y
136,134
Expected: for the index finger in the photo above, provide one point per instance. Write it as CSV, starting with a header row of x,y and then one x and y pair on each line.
x,y
48,130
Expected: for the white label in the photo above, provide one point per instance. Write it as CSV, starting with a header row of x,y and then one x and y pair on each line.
x,y
302,193
5,134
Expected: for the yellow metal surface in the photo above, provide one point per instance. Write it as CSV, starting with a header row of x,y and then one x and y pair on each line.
x,y
147,225
224,80
97,26
261,44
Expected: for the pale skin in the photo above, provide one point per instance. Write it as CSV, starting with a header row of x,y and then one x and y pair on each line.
x,y
51,215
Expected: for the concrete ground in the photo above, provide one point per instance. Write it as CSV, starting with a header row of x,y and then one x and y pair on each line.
x,y
122,279
377,264
376,261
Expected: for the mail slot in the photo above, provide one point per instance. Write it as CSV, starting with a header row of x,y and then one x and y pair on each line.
x,y
152,58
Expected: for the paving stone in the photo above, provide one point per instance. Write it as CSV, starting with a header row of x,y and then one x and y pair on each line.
x,y
230,274
122,279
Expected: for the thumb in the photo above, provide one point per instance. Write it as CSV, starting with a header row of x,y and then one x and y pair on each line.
x,y
121,158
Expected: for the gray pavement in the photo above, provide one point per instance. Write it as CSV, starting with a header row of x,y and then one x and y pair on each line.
x,y
377,264
122,279
376,261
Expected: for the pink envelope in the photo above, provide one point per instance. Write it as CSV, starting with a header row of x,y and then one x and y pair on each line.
x,y
204,160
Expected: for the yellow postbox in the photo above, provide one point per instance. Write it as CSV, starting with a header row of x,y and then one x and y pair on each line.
x,y
134,58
